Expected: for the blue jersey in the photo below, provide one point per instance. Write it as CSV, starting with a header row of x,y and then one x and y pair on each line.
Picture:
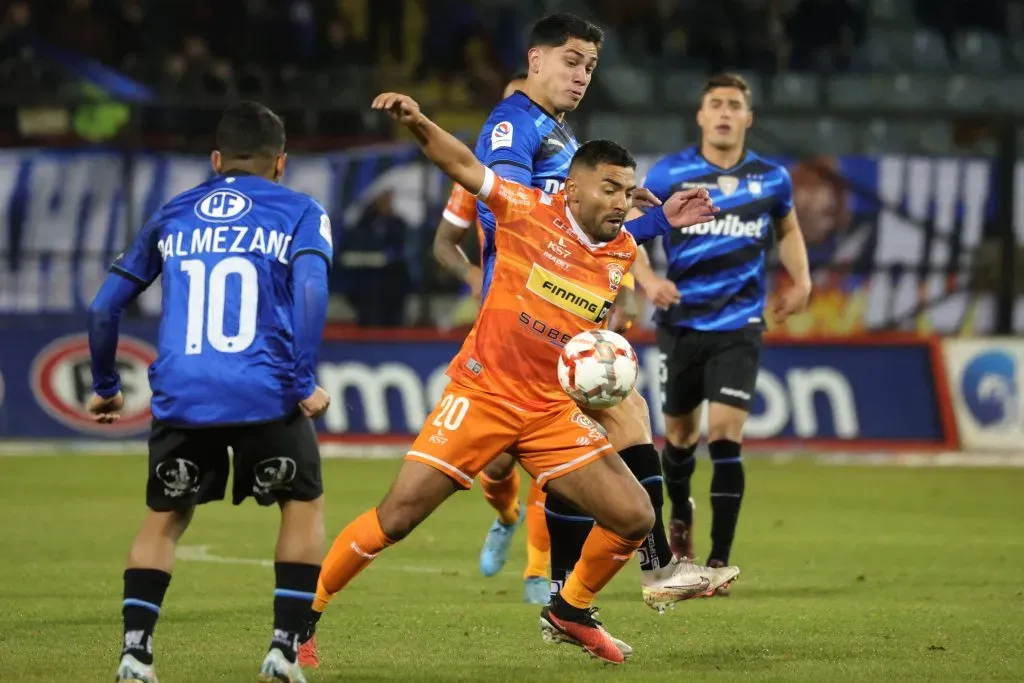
x,y
719,266
226,344
523,143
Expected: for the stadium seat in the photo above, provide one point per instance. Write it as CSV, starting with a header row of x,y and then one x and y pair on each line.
x,y
933,137
979,51
876,53
681,89
796,90
660,133
968,92
835,137
852,91
610,127
928,51
915,91
627,86
775,135
884,137
1008,92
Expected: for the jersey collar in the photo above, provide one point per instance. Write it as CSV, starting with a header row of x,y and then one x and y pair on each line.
x,y
580,235
743,159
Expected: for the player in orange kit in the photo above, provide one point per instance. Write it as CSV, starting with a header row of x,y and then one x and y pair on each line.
x,y
504,394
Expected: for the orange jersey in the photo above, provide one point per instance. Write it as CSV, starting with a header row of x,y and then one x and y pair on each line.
x,y
460,211
551,282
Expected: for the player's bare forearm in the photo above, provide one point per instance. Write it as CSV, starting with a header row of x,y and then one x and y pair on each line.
x,y
642,270
448,252
793,252
449,154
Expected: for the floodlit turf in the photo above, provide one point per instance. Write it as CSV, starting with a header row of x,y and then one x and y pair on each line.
x,y
848,574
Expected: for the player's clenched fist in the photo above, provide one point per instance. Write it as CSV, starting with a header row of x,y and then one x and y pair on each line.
x,y
689,207
316,404
402,108
106,410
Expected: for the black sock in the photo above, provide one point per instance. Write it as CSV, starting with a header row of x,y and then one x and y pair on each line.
x,y
293,598
643,462
568,528
678,465
727,484
144,591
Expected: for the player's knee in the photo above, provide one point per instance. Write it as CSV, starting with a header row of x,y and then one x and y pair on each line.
x,y
725,430
634,518
681,433
398,518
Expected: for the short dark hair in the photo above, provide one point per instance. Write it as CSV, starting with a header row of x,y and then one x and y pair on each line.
x,y
555,30
727,80
250,130
596,152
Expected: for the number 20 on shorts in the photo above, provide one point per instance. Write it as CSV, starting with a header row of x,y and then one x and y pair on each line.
x,y
452,412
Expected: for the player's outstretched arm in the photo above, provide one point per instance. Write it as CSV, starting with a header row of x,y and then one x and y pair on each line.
x,y
441,147
104,321
682,209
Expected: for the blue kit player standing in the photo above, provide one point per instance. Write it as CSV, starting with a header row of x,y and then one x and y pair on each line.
x,y
244,264
712,304
526,140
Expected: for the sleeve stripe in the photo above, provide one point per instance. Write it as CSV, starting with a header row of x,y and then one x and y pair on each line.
x,y
485,189
457,221
319,253
118,270
510,162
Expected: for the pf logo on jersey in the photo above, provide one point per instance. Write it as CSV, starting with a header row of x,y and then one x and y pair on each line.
x,y
61,379
501,135
615,274
221,206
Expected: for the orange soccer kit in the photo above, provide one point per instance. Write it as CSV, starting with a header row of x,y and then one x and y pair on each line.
x,y
550,282
503,495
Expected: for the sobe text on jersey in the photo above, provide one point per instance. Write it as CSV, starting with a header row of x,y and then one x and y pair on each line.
x,y
222,239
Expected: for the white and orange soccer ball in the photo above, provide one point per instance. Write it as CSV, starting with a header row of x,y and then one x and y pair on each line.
x,y
597,369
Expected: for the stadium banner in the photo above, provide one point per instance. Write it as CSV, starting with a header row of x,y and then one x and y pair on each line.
x,y
986,383
891,238
867,393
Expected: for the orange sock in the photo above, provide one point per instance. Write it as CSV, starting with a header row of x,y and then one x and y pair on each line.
x,y
538,543
503,495
352,551
604,554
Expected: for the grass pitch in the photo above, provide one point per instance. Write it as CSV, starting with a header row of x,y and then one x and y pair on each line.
x,y
849,573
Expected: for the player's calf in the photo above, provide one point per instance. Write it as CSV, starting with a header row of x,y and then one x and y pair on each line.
x,y
728,484
146,580
416,492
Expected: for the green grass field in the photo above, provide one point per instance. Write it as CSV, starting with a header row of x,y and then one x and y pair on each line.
x,y
849,573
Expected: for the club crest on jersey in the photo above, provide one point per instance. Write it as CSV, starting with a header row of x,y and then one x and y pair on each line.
x,y
223,205
754,186
728,184
615,274
501,135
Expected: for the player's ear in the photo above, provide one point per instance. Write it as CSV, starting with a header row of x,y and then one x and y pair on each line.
x,y
215,161
279,164
533,57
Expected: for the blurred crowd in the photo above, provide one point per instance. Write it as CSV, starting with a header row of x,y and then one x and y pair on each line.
x,y
253,47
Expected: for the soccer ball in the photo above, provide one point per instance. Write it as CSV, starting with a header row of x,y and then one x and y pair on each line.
x,y
597,369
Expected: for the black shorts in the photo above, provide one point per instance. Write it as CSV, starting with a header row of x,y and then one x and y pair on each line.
x,y
716,366
274,462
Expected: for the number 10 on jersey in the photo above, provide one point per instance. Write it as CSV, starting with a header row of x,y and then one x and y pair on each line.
x,y
207,300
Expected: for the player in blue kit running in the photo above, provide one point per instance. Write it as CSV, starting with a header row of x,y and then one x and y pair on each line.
x,y
711,315
244,265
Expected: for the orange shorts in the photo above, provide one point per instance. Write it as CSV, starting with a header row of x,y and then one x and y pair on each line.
x,y
468,429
